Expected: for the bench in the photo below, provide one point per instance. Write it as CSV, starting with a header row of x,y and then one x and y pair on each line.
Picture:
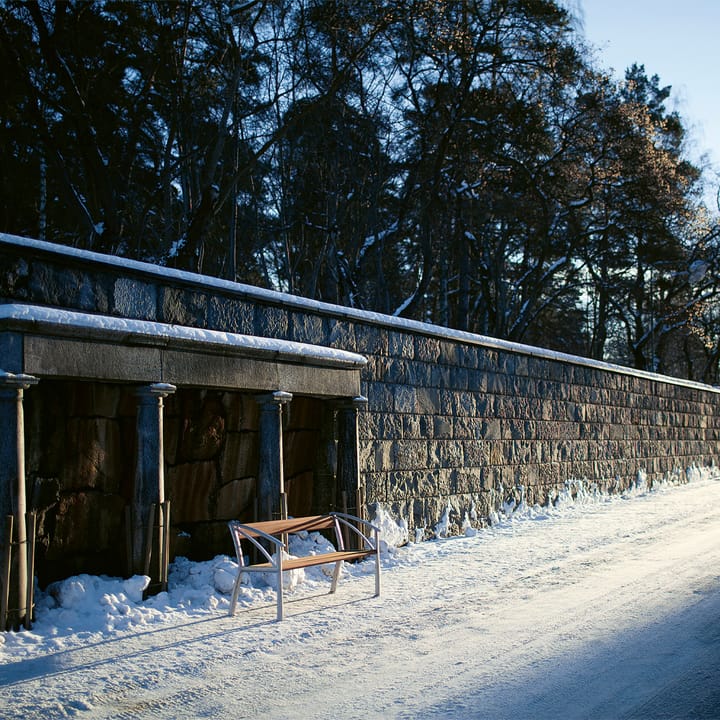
x,y
274,534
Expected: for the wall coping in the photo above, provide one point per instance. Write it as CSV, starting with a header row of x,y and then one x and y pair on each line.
x,y
54,321
285,300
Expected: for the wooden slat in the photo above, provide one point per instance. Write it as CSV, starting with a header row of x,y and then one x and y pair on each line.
x,y
310,560
290,526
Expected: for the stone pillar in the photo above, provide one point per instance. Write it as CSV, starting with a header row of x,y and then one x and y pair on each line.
x,y
271,481
149,468
348,460
13,494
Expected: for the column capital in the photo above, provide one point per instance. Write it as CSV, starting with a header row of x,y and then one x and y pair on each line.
x,y
279,397
16,381
158,390
359,402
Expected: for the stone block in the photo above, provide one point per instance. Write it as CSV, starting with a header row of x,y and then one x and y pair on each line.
x,y
94,296
192,489
446,454
241,412
428,401
339,334
231,315
240,456
491,429
14,277
382,456
236,498
95,399
442,427
476,453
271,322
477,381
390,427
183,307
400,345
93,455
54,286
427,349
376,486
88,522
404,399
370,340
134,299
410,454
299,489
418,374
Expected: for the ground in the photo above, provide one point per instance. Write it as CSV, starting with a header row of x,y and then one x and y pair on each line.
x,y
599,608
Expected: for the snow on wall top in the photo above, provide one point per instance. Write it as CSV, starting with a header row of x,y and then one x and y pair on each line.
x,y
160,332
348,313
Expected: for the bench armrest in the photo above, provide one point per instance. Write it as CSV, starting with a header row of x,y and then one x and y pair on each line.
x,y
241,532
352,522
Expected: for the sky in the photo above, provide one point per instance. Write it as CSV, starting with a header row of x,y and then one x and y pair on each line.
x,y
597,606
677,40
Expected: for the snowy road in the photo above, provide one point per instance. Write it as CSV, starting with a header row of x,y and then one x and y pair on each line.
x,y
608,609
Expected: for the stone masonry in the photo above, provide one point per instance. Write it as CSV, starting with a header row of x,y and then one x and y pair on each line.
x,y
455,425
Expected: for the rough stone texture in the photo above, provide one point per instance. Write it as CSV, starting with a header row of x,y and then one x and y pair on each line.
x,y
453,427
134,299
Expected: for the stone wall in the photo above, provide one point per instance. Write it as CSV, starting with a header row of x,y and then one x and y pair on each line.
x,y
455,425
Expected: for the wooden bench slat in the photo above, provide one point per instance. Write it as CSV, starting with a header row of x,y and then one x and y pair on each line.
x,y
291,525
294,563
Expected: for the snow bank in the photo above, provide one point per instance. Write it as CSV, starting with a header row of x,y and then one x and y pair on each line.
x,y
88,608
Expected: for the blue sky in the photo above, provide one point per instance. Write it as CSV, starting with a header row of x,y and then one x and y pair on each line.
x,y
679,40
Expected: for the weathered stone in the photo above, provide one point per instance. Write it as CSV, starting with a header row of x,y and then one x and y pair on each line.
x,y
239,456
307,328
134,299
235,499
339,334
178,306
93,455
231,315
401,345
203,429
427,349
192,489
299,489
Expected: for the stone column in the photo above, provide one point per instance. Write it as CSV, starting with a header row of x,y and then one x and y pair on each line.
x,y
271,481
348,460
13,494
149,467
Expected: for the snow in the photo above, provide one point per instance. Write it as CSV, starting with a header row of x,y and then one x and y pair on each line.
x,y
347,313
162,332
596,606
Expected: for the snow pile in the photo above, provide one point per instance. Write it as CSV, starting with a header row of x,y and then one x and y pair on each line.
x,y
393,532
93,608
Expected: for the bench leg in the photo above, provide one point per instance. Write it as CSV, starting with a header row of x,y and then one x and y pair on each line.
x,y
336,576
377,573
280,611
235,593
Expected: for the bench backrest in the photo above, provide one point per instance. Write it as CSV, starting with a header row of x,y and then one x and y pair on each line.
x,y
291,525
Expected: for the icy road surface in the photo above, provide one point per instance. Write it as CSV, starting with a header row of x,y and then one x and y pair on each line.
x,y
605,608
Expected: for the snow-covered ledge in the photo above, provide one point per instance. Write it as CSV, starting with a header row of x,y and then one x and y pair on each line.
x,y
390,322
51,342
